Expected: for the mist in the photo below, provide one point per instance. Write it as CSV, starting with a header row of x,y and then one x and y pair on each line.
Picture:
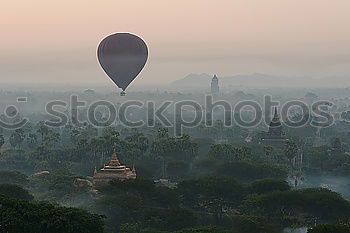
x,y
300,230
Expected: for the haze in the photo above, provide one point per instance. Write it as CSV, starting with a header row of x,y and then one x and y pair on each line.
x,y
55,42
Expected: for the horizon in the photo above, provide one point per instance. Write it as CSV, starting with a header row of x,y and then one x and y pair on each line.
x,y
190,83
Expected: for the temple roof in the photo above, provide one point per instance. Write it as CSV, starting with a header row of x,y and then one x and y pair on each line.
x,y
113,170
275,120
114,160
114,165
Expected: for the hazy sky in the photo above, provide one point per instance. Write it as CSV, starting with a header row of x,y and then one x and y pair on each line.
x,y
56,41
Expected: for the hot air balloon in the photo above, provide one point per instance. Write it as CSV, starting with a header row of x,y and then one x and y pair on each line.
x,y
122,56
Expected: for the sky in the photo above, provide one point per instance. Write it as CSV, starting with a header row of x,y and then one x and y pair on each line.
x,y
55,41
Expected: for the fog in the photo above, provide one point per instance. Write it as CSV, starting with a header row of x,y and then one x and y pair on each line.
x,y
299,230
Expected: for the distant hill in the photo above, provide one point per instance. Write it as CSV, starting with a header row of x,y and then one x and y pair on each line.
x,y
260,80
194,80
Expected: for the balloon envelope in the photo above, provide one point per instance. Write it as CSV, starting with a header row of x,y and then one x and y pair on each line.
x,y
122,56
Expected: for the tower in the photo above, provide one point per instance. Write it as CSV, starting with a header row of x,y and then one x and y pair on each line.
x,y
215,86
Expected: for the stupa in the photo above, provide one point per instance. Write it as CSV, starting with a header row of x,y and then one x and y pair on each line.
x,y
114,170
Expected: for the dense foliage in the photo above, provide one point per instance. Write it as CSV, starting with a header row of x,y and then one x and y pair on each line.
x,y
18,216
220,183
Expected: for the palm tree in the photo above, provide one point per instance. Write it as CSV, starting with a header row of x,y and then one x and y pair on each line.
x,y
74,135
291,150
42,129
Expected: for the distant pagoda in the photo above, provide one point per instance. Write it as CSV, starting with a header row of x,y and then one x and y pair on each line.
x,y
337,144
215,86
113,171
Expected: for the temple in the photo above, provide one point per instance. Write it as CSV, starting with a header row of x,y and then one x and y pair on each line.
x,y
275,135
113,171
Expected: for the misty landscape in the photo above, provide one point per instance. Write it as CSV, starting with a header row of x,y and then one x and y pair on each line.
x,y
215,178
196,116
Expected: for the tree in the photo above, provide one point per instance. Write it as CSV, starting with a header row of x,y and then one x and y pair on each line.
x,y
16,138
211,194
291,149
322,203
2,140
13,177
249,171
268,151
42,129
204,229
13,141
120,208
268,185
163,133
179,218
228,152
330,228
51,138
177,169
14,191
17,216
112,137
134,146
130,228
254,224
168,148
32,140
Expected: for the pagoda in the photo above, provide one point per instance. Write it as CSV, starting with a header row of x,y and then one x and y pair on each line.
x,y
275,136
215,86
337,144
114,170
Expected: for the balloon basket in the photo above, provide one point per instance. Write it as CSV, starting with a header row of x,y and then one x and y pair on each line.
x,y
123,93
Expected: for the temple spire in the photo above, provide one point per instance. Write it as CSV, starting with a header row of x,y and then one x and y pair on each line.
x,y
275,127
114,160
275,114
